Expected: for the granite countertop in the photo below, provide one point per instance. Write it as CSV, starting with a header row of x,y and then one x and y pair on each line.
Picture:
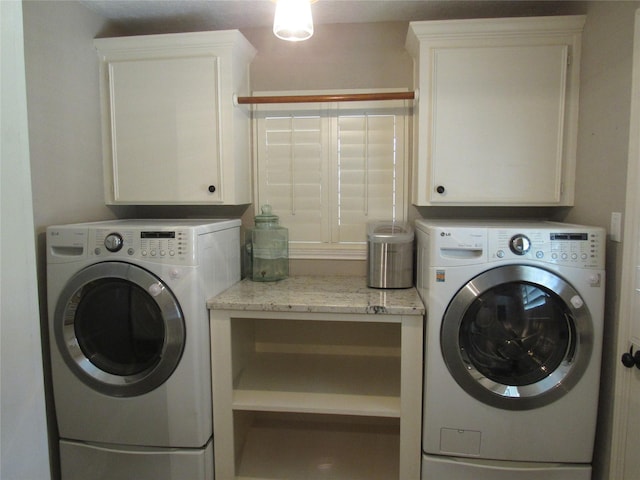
x,y
318,294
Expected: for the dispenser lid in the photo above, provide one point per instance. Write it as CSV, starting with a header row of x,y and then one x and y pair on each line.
x,y
267,216
389,232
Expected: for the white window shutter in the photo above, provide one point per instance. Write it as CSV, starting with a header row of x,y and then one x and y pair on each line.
x,y
329,169
370,177
292,174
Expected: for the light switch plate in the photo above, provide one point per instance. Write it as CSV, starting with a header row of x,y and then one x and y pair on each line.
x,y
616,227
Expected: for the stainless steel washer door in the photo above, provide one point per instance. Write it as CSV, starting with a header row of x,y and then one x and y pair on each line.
x,y
119,329
517,337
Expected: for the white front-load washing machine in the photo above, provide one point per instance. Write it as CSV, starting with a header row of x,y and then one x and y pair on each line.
x,y
129,340
512,348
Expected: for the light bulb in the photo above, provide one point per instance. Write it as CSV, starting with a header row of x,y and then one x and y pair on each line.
x,y
293,21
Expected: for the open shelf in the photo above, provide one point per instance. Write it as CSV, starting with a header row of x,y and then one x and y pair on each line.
x,y
319,447
339,384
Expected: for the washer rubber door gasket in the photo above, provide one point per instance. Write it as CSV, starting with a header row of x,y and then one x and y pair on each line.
x,y
517,337
119,329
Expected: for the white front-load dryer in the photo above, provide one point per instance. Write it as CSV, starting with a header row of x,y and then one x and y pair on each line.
x,y
130,344
512,348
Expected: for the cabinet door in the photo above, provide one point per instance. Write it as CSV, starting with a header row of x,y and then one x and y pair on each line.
x,y
164,130
497,124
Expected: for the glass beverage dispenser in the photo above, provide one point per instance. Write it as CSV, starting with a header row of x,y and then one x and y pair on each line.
x,y
267,248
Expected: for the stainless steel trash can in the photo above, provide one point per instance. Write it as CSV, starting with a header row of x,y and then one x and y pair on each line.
x,y
389,254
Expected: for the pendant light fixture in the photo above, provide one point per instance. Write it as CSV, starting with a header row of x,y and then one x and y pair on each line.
x,y
293,21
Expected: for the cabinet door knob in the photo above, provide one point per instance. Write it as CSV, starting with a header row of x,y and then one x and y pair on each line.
x,y
440,189
629,359
212,188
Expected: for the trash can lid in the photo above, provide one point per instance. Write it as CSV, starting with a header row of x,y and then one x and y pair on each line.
x,y
389,232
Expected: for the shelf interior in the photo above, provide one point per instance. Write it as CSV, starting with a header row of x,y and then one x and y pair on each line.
x,y
319,447
343,384
316,367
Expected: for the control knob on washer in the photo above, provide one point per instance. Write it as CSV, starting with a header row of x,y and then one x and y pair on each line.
x,y
519,244
113,242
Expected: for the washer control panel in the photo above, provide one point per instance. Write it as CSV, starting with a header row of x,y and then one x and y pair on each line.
x,y
571,247
163,246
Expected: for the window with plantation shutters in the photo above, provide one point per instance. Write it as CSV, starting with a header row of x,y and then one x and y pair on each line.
x,y
328,169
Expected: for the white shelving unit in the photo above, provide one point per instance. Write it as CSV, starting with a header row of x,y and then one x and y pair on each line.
x,y
310,394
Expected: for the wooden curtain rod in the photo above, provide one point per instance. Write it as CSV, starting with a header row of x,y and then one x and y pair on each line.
x,y
347,97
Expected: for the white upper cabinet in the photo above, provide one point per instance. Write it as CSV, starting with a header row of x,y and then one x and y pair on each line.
x,y
496,118
171,132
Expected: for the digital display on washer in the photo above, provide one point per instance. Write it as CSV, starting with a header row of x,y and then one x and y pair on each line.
x,y
569,236
157,234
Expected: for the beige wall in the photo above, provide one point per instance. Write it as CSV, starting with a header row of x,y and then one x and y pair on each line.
x,y
24,447
603,141
63,105
64,134
344,56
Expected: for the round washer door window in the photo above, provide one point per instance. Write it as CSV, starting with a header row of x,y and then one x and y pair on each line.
x,y
119,329
517,337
